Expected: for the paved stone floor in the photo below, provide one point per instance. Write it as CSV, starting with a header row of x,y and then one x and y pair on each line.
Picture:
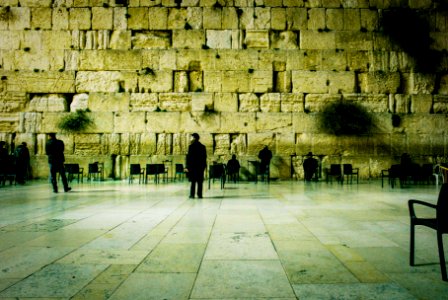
x,y
286,240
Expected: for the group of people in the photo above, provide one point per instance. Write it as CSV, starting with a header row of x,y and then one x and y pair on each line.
x,y
17,163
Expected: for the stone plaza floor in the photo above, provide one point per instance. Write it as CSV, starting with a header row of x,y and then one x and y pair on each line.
x,y
283,240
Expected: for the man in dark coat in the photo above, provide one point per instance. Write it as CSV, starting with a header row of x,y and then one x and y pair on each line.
x,y
196,163
265,156
55,151
22,155
310,166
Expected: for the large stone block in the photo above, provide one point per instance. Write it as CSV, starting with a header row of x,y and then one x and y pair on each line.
x,y
296,18
273,122
138,18
310,39
352,19
120,40
212,18
440,105
230,18
373,103
248,102
80,101
243,122
354,40
30,122
111,102
102,81
41,18
188,39
200,122
41,82
401,104
335,19
257,39
317,102
158,18
48,103
270,102
122,124
9,40
213,81
278,18
202,102
122,60
56,39
316,18
369,19
284,40
262,18
421,83
20,18
219,39
102,18
151,40
379,82
13,102
291,102
221,144
159,82
164,122
143,102
305,122
9,122
175,101
421,103
225,102
256,142
120,20
80,18
235,81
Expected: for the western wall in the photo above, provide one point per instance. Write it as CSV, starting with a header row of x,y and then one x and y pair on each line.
x,y
241,73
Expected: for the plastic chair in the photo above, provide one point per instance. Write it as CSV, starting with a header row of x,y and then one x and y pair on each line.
x,y
349,171
95,171
217,171
135,169
335,171
179,171
152,169
74,170
439,224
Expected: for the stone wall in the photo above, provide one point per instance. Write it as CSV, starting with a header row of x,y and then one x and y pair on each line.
x,y
241,73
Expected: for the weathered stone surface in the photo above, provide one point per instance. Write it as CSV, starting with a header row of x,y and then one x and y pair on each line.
x,y
242,122
40,82
402,103
219,39
156,82
291,102
257,39
256,142
30,122
163,122
188,39
273,122
143,102
323,82
379,82
80,18
122,124
317,102
79,101
249,103
440,104
9,122
225,102
284,40
109,102
200,122
13,102
270,102
202,102
175,101
238,143
222,144
102,18
152,40
102,81
50,103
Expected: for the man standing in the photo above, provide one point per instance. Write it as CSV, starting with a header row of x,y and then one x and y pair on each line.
x,y
265,156
22,155
195,165
55,151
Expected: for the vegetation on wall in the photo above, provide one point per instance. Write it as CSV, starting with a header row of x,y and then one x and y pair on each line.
x,y
345,118
75,122
409,29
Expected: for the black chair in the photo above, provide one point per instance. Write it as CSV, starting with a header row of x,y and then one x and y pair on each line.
x,y
349,171
135,169
179,172
217,171
73,170
393,173
335,171
161,169
152,170
95,172
439,223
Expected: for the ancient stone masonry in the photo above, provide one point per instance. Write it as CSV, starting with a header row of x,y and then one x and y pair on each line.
x,y
241,73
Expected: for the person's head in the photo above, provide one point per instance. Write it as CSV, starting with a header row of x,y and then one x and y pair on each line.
x,y
2,144
23,144
195,136
52,135
233,156
310,154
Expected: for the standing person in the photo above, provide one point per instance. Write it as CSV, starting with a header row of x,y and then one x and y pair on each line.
x,y
233,168
55,151
265,156
310,166
196,163
22,155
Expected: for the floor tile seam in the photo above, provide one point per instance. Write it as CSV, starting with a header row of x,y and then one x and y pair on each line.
x,y
205,250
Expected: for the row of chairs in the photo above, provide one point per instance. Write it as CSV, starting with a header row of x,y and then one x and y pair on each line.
x,y
413,173
339,172
154,170
95,171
